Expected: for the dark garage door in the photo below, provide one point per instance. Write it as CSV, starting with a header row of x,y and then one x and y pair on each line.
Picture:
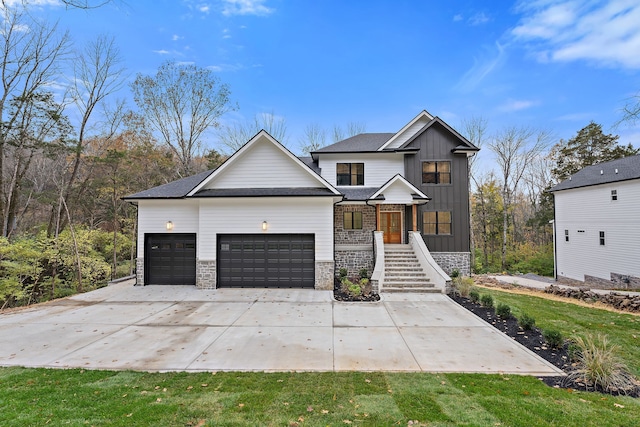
x,y
170,259
266,260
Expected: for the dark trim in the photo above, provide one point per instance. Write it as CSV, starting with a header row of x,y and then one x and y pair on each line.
x,y
591,185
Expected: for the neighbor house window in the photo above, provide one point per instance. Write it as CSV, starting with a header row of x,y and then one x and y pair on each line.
x,y
436,172
350,173
352,221
436,223
602,238
566,235
614,194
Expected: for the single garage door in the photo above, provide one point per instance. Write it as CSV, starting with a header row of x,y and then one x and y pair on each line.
x,y
170,259
266,260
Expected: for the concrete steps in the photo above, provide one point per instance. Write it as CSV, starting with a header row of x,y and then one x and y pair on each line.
x,y
403,272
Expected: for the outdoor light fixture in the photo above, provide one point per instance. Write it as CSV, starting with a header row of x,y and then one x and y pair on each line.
x,y
264,225
169,225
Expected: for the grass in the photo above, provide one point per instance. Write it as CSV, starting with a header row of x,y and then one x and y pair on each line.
x,y
34,397
56,397
571,320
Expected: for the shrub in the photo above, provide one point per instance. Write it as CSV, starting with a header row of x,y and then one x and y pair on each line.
x,y
342,273
598,365
463,285
486,300
503,311
553,337
526,322
363,273
455,273
474,295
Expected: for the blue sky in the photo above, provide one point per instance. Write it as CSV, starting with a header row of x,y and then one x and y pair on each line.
x,y
548,64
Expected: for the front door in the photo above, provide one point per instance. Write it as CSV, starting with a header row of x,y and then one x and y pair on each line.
x,y
391,225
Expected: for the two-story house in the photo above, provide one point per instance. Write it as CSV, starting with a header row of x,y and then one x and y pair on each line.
x,y
266,218
597,225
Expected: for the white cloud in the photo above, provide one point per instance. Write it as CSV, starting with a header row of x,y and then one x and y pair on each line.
x,y
245,7
479,19
606,33
482,67
576,117
204,8
514,105
161,52
176,37
457,18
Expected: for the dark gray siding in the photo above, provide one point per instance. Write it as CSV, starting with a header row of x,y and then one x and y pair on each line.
x,y
435,144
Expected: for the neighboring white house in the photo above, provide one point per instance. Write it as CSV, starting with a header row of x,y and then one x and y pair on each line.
x,y
597,225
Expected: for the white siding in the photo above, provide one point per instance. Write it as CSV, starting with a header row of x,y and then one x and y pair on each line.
x,y
409,133
591,210
154,214
398,193
378,168
264,165
283,215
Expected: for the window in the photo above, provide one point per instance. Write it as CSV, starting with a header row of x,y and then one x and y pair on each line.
x,y
436,223
566,235
602,238
352,221
350,174
436,172
614,194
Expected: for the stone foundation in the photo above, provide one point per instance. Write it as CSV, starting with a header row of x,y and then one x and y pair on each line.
x,y
358,236
324,275
617,281
139,271
206,274
354,260
450,261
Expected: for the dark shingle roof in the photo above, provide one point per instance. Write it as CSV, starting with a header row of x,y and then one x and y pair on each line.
x,y
264,192
357,193
627,168
309,162
358,143
173,190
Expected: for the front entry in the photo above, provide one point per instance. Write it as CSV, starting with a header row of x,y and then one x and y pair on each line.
x,y
391,225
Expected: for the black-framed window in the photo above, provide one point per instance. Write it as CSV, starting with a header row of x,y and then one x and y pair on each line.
x,y
614,194
350,174
436,172
352,221
566,235
436,222
602,238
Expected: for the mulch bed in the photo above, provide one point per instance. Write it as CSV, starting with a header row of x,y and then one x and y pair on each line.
x,y
535,342
367,294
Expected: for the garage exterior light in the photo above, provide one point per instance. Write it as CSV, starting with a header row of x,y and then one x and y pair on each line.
x,y
265,225
169,225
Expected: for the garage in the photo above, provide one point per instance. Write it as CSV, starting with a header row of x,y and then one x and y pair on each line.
x,y
170,259
266,260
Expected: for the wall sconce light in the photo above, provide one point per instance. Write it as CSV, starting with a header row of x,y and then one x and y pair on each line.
x,y
265,225
169,225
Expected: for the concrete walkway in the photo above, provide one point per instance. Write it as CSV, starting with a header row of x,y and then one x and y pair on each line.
x,y
180,328
538,284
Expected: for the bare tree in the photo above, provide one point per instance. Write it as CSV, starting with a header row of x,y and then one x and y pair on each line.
x,y
631,111
30,56
314,138
234,136
77,4
515,148
353,129
181,102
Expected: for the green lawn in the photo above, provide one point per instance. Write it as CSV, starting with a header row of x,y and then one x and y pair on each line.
x,y
41,397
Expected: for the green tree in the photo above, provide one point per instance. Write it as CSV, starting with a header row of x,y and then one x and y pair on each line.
x,y
589,147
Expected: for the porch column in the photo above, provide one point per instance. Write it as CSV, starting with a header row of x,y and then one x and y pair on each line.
x,y
378,218
414,211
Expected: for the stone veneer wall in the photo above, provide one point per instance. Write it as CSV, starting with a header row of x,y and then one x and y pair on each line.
x,y
206,274
354,260
324,275
139,271
450,261
354,237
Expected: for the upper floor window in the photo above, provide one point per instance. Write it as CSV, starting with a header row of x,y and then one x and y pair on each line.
x,y
436,172
350,174
602,238
566,235
614,194
352,221
436,222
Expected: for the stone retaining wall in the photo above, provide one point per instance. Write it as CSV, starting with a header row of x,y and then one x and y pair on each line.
x,y
450,261
616,300
354,260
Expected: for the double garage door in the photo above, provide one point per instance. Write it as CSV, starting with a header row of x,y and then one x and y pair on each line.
x,y
244,260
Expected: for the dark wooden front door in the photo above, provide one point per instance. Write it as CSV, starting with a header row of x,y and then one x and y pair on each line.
x,y
391,225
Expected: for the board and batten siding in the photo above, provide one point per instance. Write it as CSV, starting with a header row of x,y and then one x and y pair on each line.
x,y
154,214
299,215
264,165
435,144
378,167
587,211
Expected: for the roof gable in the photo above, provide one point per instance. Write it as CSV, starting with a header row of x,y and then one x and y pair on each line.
x,y
618,170
173,190
263,163
408,131
464,147
399,190
363,142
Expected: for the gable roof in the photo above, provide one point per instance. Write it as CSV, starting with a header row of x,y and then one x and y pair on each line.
x,y
173,190
464,146
618,170
417,194
422,116
363,142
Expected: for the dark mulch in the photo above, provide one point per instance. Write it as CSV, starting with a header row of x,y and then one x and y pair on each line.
x,y
367,295
535,342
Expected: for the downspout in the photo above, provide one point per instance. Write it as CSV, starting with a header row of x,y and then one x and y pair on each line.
x,y
555,234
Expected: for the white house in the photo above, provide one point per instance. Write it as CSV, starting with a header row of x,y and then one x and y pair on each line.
x,y
266,218
597,225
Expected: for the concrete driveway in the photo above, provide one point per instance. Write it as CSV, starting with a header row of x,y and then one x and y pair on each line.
x,y
180,328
